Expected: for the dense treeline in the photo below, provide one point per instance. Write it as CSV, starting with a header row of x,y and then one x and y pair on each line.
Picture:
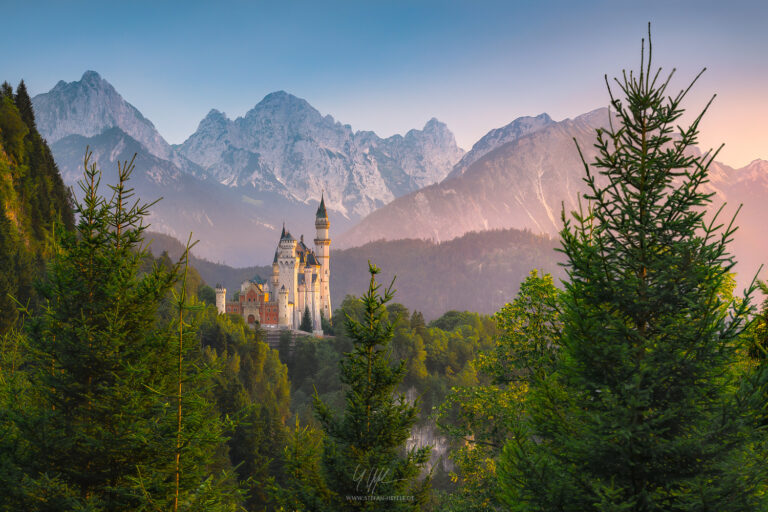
x,y
32,198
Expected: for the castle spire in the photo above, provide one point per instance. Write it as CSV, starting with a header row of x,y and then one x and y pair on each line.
x,y
321,213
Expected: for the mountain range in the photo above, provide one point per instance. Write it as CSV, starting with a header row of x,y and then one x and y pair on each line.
x,y
284,145
233,183
527,173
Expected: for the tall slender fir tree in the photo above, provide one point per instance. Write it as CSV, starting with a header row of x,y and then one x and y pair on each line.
x,y
637,414
365,460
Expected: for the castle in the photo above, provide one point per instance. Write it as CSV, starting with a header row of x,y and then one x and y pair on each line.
x,y
300,282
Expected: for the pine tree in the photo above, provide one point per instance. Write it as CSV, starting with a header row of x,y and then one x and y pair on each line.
x,y
107,433
306,320
24,104
637,414
365,461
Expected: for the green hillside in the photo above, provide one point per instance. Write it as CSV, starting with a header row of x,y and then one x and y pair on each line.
x,y
32,198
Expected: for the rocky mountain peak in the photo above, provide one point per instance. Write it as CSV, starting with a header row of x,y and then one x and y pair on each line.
x,y
213,119
287,145
498,137
88,107
433,125
92,78
283,104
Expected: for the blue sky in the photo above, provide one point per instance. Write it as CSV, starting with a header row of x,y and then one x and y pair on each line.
x,y
389,65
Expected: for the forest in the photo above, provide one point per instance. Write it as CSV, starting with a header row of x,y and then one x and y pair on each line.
x,y
636,382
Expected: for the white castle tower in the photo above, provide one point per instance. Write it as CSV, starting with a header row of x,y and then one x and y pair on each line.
x,y
221,299
287,263
323,250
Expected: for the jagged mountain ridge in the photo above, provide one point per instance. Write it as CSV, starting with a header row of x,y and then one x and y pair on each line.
x,y
237,224
285,145
498,137
526,183
230,224
519,184
90,106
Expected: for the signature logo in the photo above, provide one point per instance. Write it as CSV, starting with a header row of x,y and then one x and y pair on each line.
x,y
369,478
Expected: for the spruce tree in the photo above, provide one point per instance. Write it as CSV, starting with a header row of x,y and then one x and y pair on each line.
x,y
637,414
114,428
24,104
365,461
306,320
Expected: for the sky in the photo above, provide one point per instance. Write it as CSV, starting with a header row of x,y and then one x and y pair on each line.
x,y
391,65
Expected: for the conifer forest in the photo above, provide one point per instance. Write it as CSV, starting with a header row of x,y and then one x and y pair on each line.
x,y
633,379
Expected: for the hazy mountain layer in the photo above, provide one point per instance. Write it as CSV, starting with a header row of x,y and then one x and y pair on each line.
x,y
475,272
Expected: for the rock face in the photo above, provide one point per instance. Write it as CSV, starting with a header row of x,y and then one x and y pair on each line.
x,y
285,145
90,106
521,183
498,137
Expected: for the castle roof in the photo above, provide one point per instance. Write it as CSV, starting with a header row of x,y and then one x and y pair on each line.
x,y
311,260
275,260
286,235
321,213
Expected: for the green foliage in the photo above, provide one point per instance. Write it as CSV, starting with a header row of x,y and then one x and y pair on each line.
x,y
306,320
32,200
529,333
479,419
206,294
252,389
362,451
303,487
103,433
12,128
638,412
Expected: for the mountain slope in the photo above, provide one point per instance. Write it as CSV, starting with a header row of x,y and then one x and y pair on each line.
x,y
497,137
526,182
234,226
285,145
89,106
522,184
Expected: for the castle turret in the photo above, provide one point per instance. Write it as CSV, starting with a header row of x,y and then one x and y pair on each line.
x,y
288,265
274,282
284,315
323,250
221,299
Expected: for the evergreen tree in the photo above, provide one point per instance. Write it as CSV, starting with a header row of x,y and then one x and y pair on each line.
x,y
365,461
24,104
637,414
306,320
109,432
